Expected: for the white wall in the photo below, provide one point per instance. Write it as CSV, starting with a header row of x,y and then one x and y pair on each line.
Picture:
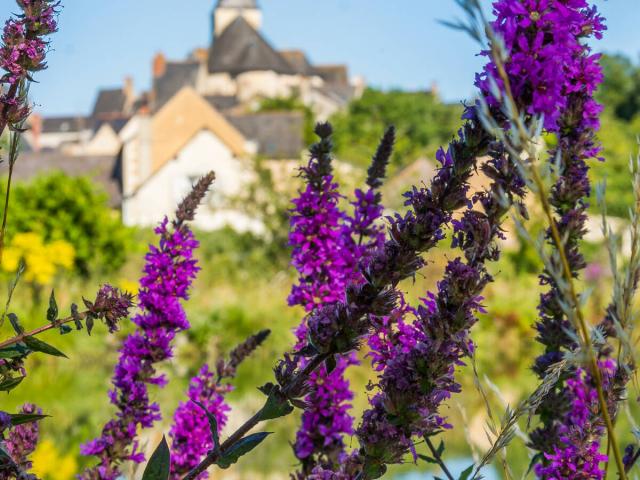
x,y
161,193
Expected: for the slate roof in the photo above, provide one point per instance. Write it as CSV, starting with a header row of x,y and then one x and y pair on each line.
x,y
110,102
333,73
279,135
241,49
222,102
298,60
64,124
117,124
176,76
237,4
104,170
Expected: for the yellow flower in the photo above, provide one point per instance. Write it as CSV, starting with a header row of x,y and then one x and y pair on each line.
x,y
62,253
42,261
127,285
48,464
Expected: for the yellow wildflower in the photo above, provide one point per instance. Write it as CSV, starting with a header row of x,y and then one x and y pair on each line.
x,y
48,463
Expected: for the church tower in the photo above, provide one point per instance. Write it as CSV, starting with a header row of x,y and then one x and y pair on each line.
x,y
228,10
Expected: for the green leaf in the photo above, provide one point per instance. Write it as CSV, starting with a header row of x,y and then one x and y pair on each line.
x,y
276,406
331,364
213,425
52,311
64,329
427,458
466,473
89,323
534,460
371,471
39,346
159,464
240,448
10,383
14,351
15,323
440,449
22,418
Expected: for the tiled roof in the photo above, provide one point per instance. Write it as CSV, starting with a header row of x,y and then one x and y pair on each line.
x,y
64,124
241,49
222,102
109,103
333,73
104,170
277,134
298,60
176,76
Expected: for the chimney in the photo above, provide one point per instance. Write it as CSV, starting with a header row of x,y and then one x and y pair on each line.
x,y
159,65
129,93
36,131
200,54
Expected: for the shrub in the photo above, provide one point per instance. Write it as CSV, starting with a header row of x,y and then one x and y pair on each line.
x,y
73,209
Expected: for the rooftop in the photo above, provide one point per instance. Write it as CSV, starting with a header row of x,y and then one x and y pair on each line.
x,y
241,49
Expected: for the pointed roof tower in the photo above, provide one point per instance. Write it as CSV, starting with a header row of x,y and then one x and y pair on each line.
x,y
237,4
227,11
240,48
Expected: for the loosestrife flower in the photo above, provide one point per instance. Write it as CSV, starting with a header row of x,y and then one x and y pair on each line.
x,y
552,73
169,271
21,442
329,249
190,433
549,62
23,52
577,454
416,359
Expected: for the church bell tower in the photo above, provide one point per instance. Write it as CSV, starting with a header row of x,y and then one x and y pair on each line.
x,y
228,10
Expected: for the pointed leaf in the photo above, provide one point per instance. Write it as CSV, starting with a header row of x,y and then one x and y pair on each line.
x,y
39,346
427,458
15,323
213,425
371,470
159,464
240,448
14,351
331,364
466,473
276,406
89,323
10,383
64,329
22,418
52,311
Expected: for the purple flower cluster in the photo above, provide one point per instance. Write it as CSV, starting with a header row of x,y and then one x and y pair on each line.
x,y
549,59
190,432
553,73
23,52
577,456
169,271
416,359
328,246
22,439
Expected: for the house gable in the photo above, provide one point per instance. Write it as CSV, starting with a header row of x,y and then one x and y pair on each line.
x,y
181,118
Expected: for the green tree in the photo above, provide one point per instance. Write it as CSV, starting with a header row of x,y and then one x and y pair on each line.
x,y
620,90
59,207
423,123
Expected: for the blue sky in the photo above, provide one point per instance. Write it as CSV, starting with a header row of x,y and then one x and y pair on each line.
x,y
392,43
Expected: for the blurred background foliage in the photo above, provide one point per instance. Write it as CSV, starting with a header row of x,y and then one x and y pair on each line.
x,y
244,283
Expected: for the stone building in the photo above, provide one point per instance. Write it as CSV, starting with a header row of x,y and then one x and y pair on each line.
x,y
201,113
